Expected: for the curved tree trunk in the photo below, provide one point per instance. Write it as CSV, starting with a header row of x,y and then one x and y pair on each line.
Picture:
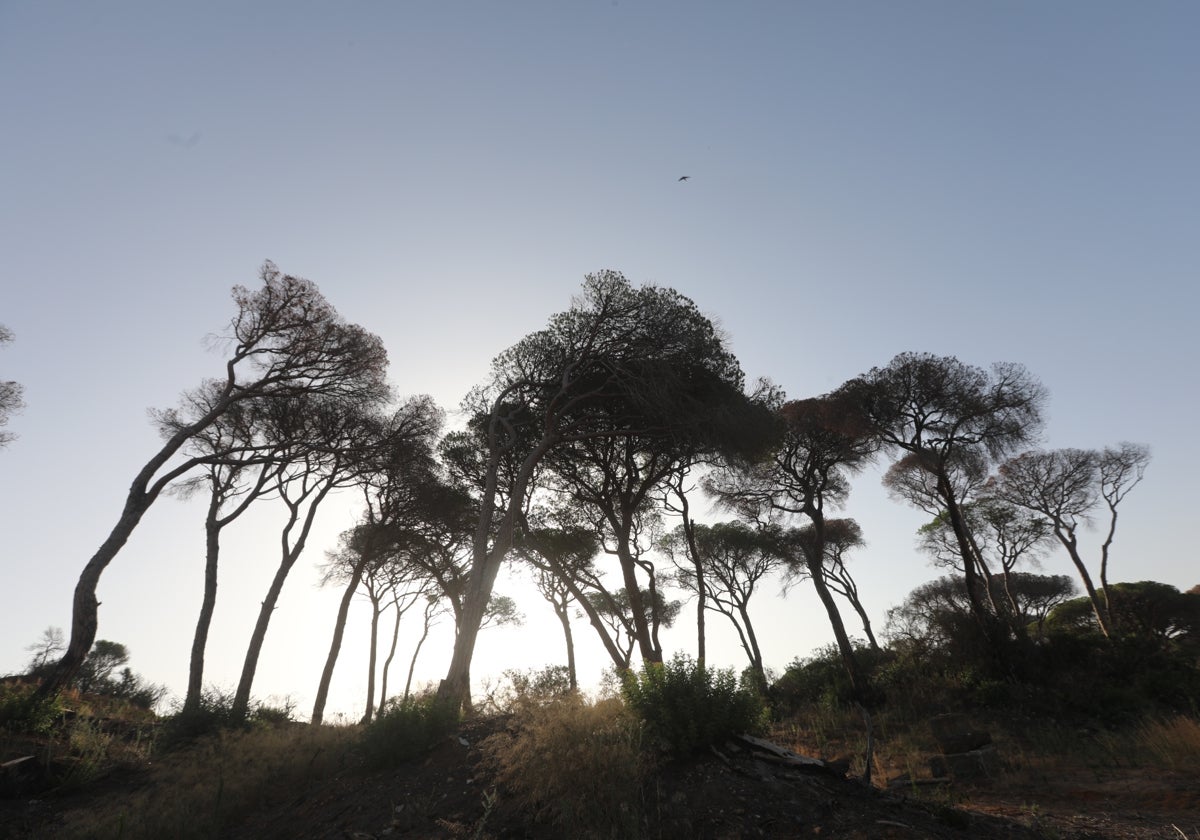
x,y
565,620
816,572
208,604
455,688
241,698
412,663
370,710
335,646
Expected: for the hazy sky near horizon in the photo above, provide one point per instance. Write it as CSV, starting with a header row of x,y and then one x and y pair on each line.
x,y
1000,182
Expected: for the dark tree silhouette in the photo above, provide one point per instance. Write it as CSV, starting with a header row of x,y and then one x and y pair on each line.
x,y
240,471
841,536
734,558
620,362
396,477
560,558
950,419
335,445
1064,486
285,341
821,442
11,395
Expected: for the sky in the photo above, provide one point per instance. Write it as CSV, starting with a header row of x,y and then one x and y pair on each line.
x,y
1013,182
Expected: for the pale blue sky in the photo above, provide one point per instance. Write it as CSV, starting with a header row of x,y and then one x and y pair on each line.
x,y
1001,182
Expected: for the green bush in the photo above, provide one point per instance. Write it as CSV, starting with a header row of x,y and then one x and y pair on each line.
x,y
689,707
22,711
406,728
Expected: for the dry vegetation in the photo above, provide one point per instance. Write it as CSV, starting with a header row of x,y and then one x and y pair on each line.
x,y
557,766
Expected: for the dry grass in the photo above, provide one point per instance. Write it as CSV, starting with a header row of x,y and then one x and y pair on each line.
x,y
1033,753
575,763
193,792
1173,743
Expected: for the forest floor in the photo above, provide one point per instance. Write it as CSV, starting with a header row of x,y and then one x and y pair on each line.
x,y
450,793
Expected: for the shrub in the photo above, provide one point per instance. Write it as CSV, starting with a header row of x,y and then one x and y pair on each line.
x,y
689,707
576,764
22,711
406,728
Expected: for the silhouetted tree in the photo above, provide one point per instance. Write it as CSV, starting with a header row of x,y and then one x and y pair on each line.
x,y
336,445
613,610
397,475
11,395
620,362
1001,534
841,536
559,558
240,471
822,442
1148,610
735,558
284,342
50,645
1064,486
950,418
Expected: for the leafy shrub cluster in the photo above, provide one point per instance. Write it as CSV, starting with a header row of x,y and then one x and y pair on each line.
x,y
22,711
576,764
529,687
1063,675
407,727
214,713
688,707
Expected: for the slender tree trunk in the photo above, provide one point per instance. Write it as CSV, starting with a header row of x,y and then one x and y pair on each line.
x,y
85,618
208,604
241,697
335,646
816,572
85,611
756,660
866,622
1069,542
565,619
620,660
387,663
1104,590
987,622
222,486
689,532
370,710
485,566
412,663
637,606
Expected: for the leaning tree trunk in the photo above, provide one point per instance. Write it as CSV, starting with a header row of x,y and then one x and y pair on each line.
x,y
370,710
412,663
858,683
241,698
1072,547
212,545
85,612
455,689
387,662
335,646
689,532
565,620
85,619
649,651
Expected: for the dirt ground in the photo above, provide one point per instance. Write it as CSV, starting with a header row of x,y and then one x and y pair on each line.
x,y
738,794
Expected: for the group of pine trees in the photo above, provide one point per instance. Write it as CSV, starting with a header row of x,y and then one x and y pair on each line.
x,y
583,456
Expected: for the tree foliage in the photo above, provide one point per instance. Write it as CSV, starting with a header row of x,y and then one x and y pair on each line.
x,y
11,394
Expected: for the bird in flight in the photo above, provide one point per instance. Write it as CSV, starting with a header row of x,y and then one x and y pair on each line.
x,y
685,177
